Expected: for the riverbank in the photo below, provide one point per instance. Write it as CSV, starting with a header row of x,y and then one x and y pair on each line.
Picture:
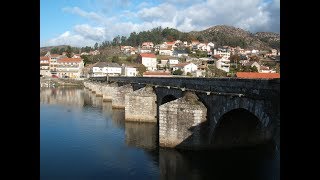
x,y
55,82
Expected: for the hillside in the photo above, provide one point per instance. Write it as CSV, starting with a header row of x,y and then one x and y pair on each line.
x,y
232,36
220,35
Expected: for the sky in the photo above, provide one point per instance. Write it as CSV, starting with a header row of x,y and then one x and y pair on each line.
x,y
82,23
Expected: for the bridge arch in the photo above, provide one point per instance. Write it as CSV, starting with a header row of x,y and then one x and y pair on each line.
x,y
237,127
168,98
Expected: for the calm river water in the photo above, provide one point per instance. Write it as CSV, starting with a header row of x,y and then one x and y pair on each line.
x,y
82,137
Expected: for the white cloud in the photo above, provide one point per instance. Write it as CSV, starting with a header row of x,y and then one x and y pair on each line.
x,y
88,15
251,15
88,32
67,38
163,12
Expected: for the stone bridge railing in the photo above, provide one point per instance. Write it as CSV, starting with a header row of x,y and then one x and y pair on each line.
x,y
253,88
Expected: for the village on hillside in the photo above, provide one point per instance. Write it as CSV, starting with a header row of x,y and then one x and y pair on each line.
x,y
169,59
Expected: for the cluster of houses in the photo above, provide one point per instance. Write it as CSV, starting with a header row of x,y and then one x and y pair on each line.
x,y
56,65
61,66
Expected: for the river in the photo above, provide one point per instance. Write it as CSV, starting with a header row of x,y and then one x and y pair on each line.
x,y
82,137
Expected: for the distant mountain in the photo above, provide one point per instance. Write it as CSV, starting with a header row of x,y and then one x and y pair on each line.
x,y
44,50
48,48
232,36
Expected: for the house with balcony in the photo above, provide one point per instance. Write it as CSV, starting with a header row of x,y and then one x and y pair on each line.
x,y
223,64
166,51
69,67
54,62
223,52
45,66
102,69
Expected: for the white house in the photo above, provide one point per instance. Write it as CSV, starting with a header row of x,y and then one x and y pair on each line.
x,y
210,46
102,69
128,71
223,52
166,51
149,61
223,64
173,62
186,67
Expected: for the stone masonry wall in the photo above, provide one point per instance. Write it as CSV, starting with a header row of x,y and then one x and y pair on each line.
x,y
140,105
108,90
180,121
118,97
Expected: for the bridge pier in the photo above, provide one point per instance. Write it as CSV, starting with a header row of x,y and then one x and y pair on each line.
x,y
98,89
180,122
108,90
140,105
118,97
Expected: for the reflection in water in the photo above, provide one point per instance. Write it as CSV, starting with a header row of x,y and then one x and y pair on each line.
x,y
107,109
142,135
93,141
118,117
66,96
253,163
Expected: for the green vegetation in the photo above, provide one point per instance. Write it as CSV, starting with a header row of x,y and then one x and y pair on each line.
x,y
213,71
141,69
177,72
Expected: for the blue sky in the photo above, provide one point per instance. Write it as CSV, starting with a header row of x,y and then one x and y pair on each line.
x,y
84,22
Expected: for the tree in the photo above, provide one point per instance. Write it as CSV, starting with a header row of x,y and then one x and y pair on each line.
x,y
123,40
177,72
54,50
96,45
253,69
213,71
129,59
69,52
141,69
115,59
234,58
85,59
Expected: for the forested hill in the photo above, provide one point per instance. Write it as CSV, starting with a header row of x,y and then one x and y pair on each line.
x,y
220,35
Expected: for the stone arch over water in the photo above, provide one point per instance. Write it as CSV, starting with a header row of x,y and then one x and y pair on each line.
x,y
168,98
240,127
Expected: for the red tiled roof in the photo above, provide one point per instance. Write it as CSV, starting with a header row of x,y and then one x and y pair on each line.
x,y
257,75
148,55
170,42
69,60
44,58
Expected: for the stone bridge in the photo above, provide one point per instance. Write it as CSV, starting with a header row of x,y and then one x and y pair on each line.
x,y
198,113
